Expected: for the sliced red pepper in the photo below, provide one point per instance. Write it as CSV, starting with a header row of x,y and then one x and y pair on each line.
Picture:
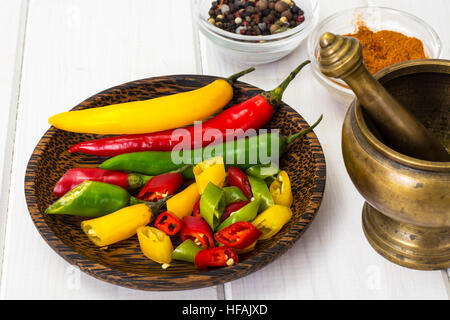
x,y
239,235
233,207
198,230
168,223
237,178
196,210
216,257
161,186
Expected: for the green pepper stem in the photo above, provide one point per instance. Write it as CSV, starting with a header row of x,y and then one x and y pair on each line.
x,y
136,180
231,80
293,137
274,97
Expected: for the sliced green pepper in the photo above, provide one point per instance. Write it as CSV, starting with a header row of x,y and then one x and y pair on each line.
x,y
265,172
261,191
92,199
212,204
246,213
186,251
233,194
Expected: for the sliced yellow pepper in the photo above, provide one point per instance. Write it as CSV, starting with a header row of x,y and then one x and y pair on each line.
x,y
117,226
155,244
210,170
280,189
270,221
183,202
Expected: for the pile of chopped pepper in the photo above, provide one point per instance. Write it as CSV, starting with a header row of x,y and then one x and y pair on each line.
x,y
216,210
216,217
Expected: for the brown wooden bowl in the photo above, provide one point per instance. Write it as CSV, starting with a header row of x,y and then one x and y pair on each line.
x,y
123,263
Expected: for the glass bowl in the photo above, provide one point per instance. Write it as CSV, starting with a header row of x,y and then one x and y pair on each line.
x,y
255,50
376,18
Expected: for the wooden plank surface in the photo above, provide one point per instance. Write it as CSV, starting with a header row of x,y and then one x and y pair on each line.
x,y
12,27
73,50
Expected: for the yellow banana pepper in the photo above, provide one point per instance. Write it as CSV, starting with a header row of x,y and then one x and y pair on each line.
x,y
183,202
146,116
210,170
280,189
117,226
270,221
155,245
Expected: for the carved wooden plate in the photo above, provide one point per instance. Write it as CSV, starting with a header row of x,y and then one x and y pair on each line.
x,y
123,263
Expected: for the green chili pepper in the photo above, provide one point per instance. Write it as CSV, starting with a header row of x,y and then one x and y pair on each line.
x,y
212,205
92,199
246,213
262,192
233,194
242,153
186,251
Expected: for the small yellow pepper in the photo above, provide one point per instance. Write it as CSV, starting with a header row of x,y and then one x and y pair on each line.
x,y
210,170
155,245
183,202
280,189
270,221
117,226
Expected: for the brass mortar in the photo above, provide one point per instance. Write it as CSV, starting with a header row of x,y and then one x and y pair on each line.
x,y
406,217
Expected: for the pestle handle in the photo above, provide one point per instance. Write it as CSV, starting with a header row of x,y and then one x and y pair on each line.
x,y
342,57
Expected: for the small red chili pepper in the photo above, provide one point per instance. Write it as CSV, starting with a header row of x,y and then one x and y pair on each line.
x,y
237,178
216,257
196,210
75,176
239,235
253,113
168,223
233,207
161,186
198,230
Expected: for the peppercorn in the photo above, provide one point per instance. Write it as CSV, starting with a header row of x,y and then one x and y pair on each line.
x,y
274,28
262,5
281,6
300,19
287,14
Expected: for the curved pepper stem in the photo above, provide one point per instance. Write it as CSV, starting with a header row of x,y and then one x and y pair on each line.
x,y
274,97
231,80
155,207
293,137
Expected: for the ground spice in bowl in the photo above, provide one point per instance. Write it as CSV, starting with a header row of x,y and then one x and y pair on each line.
x,y
384,48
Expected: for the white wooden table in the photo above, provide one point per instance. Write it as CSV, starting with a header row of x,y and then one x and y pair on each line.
x,y
55,53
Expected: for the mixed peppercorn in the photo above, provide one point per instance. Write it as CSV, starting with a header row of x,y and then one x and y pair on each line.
x,y
251,17
216,213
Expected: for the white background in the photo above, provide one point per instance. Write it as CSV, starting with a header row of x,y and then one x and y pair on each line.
x,y
55,53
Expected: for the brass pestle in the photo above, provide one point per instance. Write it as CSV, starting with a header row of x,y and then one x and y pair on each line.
x,y
342,57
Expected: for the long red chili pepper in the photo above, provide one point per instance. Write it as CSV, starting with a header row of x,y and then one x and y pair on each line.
x,y
75,176
231,123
